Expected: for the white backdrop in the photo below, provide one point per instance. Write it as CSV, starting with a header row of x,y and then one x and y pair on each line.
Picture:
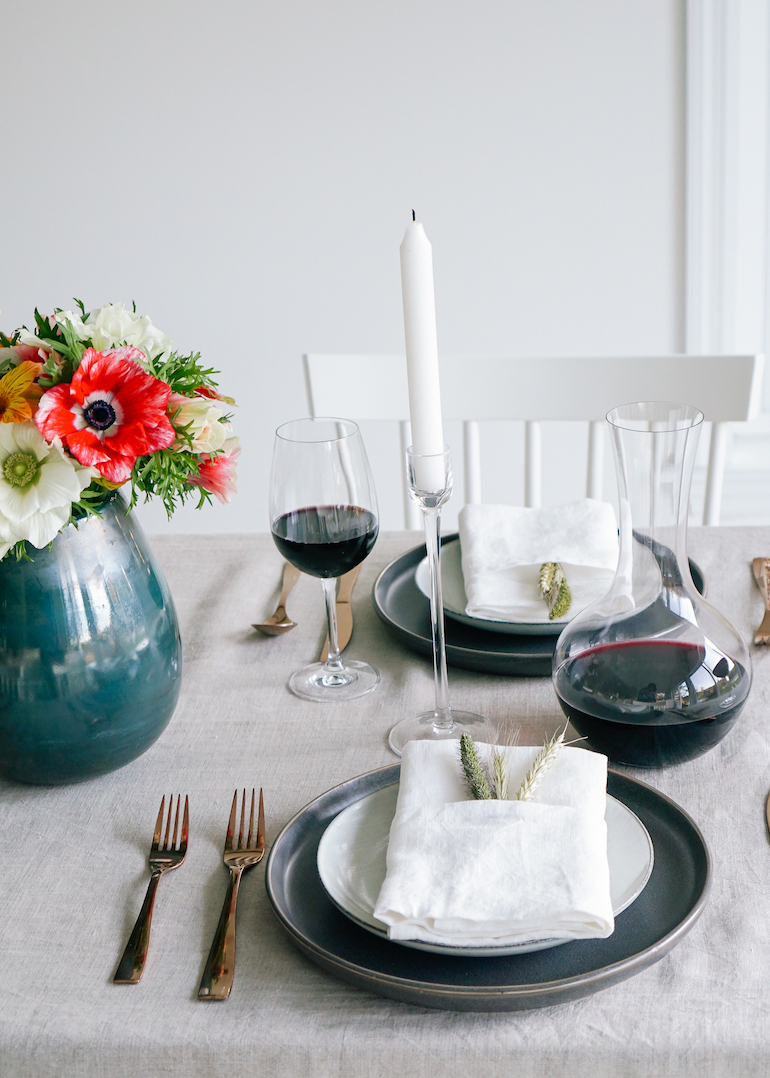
x,y
244,171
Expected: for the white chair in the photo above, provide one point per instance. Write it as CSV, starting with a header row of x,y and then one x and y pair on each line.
x,y
364,387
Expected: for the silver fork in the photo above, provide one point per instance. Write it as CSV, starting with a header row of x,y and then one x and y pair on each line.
x,y
217,979
162,859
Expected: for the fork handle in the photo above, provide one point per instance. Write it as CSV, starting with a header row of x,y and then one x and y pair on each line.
x,y
217,979
131,966
762,635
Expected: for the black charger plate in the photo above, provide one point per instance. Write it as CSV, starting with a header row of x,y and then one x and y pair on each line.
x,y
406,612
665,911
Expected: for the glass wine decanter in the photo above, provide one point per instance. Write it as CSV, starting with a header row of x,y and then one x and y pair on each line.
x,y
651,674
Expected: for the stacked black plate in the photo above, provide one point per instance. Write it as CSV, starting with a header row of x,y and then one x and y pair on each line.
x,y
406,612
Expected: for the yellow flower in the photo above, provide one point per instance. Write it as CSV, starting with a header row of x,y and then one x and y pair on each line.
x,y
106,483
19,394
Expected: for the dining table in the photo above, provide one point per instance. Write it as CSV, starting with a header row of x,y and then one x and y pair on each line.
x,y
74,865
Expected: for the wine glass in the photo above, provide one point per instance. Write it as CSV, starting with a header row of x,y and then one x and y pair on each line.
x,y
323,519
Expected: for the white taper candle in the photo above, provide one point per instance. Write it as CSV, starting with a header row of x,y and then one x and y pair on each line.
x,y
422,350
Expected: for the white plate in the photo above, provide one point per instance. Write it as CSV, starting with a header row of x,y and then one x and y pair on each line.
x,y
351,864
455,600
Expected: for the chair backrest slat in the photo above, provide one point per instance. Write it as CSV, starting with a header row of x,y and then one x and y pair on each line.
x,y
473,389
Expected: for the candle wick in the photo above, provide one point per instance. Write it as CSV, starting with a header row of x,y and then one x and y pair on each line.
x,y
413,216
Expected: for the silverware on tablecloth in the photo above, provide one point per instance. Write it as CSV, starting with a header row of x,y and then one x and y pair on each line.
x,y
217,977
761,567
162,859
280,622
344,612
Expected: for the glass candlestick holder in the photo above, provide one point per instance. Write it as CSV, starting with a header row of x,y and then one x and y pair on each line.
x,y
430,485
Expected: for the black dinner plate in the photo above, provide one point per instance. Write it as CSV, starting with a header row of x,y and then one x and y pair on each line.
x,y
665,911
406,612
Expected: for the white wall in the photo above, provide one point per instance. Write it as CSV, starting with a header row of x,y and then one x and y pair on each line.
x,y
244,171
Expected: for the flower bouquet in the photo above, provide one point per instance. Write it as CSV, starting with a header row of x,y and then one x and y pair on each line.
x,y
90,649
92,401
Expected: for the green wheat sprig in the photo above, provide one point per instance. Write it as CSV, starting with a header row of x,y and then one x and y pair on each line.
x,y
495,786
499,775
474,772
554,589
500,765
543,762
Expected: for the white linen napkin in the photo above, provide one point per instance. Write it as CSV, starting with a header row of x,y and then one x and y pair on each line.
x,y
487,873
503,547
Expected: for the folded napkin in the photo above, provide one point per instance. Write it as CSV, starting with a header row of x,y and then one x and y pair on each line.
x,y
503,547
488,873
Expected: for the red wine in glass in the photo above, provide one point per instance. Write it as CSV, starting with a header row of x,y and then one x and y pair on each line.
x,y
323,519
326,540
652,703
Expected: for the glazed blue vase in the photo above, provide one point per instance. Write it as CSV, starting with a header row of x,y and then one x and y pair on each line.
x,y
90,654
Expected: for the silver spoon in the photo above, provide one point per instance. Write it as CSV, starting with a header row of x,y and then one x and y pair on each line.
x,y
280,622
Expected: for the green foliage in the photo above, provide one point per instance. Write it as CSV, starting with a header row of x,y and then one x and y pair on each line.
x,y
183,373
90,502
165,474
19,551
66,349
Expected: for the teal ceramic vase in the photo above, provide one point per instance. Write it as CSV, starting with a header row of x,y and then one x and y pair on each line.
x,y
90,654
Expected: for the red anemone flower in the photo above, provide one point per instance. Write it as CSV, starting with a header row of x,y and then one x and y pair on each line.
x,y
109,414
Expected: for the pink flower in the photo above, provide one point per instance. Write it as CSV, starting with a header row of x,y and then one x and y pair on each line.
x,y
109,414
27,351
217,473
213,394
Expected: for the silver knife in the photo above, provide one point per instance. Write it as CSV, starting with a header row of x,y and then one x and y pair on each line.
x,y
344,612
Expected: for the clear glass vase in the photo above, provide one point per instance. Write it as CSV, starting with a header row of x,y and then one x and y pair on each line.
x,y
651,674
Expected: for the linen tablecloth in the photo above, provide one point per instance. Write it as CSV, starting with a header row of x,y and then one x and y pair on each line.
x,y
74,868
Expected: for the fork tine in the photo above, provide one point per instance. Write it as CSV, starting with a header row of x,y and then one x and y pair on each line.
x,y
261,821
176,821
168,821
243,814
231,823
185,825
251,823
158,824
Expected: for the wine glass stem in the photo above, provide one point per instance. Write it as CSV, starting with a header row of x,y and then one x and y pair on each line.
x,y
443,712
333,662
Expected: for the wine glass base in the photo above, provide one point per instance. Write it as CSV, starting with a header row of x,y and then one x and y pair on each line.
x,y
424,728
353,680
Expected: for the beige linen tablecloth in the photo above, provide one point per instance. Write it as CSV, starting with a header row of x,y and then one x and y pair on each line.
x,y
73,869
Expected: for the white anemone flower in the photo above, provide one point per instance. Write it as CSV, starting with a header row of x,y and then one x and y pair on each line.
x,y
201,420
110,327
38,484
